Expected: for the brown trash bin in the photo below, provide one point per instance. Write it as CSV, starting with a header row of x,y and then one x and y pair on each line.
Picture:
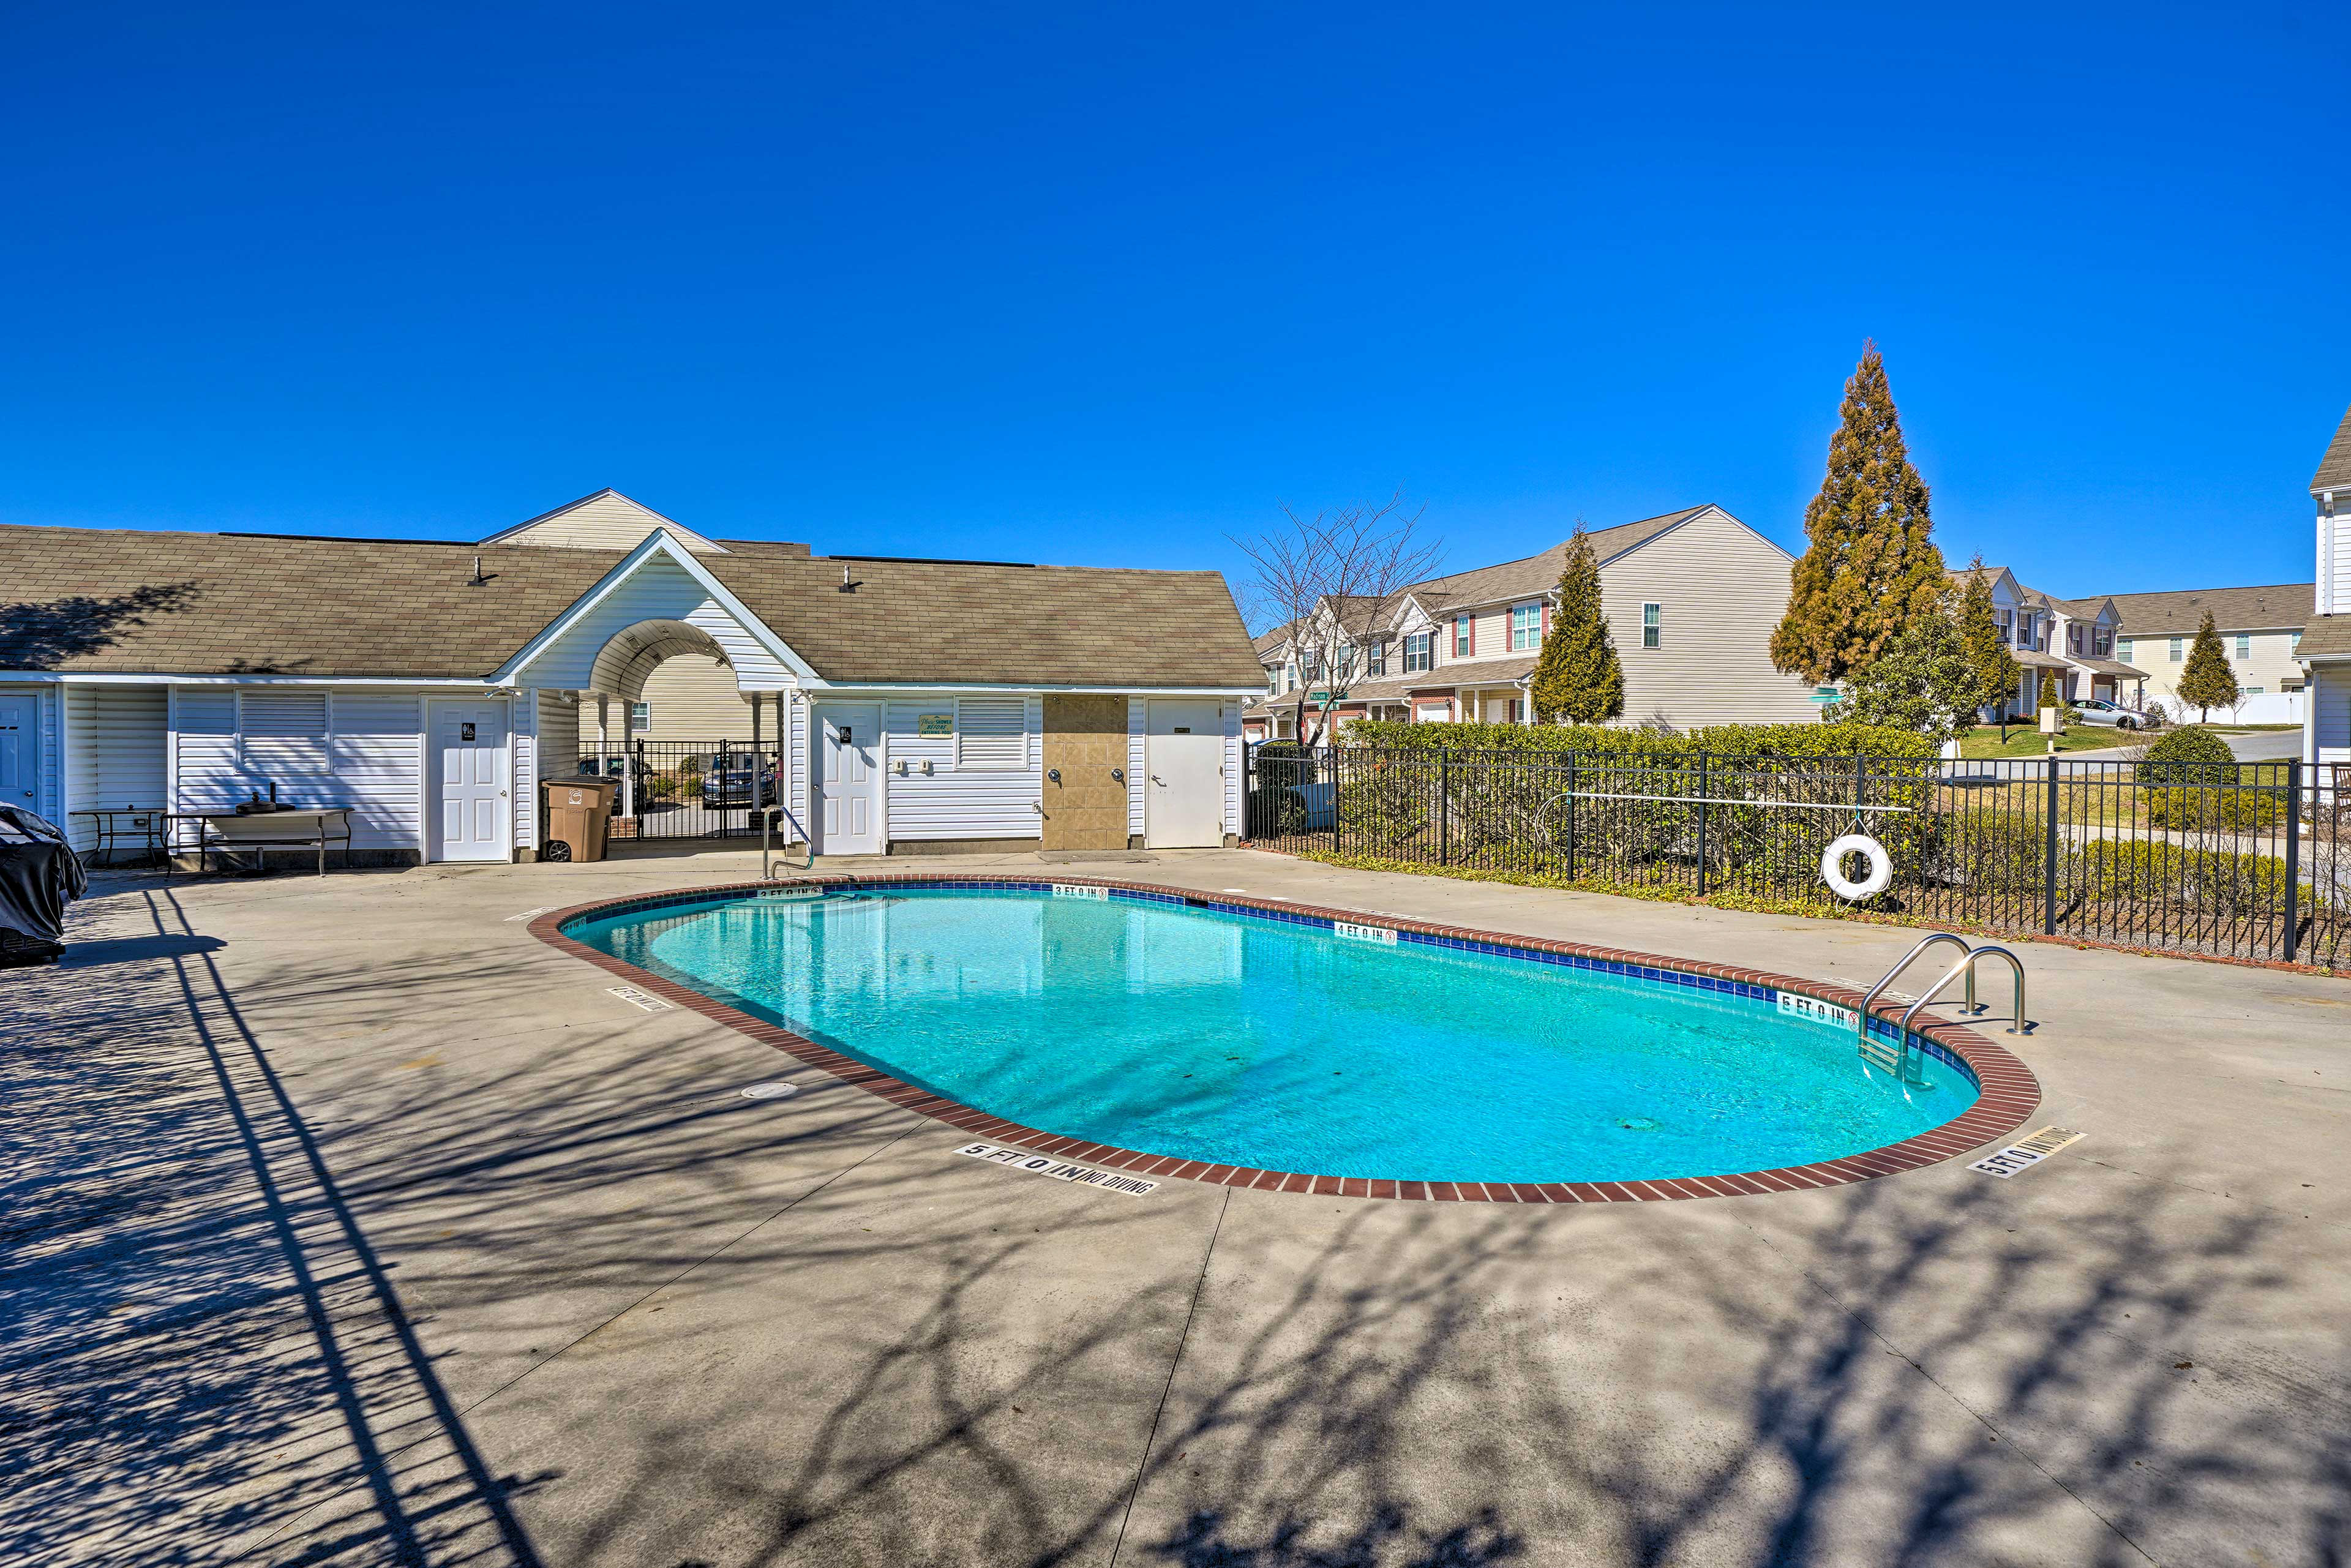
x,y
578,812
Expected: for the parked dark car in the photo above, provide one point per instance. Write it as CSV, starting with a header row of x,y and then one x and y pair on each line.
x,y
727,780
614,766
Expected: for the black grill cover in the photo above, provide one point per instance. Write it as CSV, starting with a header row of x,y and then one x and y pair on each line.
x,y
39,875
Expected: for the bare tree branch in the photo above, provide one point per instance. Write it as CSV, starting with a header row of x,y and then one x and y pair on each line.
x,y
1333,582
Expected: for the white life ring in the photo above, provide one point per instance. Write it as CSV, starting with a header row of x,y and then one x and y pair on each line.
x,y
1881,867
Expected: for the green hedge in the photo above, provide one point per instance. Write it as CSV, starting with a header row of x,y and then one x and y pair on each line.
x,y
1727,741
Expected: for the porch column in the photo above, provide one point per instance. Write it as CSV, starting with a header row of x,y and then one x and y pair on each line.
x,y
603,742
754,758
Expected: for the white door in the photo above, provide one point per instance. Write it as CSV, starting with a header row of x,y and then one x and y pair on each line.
x,y
470,783
20,750
1183,799
848,781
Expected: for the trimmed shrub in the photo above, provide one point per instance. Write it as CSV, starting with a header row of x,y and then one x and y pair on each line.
x,y
2185,755
1993,853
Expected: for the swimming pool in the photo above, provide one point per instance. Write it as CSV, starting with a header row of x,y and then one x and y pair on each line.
x,y
1233,1036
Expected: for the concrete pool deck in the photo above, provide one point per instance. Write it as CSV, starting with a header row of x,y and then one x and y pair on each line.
x,y
348,1223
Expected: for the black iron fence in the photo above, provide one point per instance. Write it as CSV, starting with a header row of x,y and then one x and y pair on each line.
x,y
688,788
2246,860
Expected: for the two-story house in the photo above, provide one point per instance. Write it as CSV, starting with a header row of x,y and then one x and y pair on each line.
x,y
2078,639
2325,652
2259,629
1691,597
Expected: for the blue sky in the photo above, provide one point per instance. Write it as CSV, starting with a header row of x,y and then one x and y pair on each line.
x,y
1104,285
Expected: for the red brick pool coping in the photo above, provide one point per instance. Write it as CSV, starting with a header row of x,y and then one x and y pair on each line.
x,y
2007,1091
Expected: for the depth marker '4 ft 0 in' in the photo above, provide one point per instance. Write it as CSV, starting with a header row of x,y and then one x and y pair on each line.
x,y
1059,1170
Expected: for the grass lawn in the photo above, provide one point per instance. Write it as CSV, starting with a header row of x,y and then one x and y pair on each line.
x,y
2026,741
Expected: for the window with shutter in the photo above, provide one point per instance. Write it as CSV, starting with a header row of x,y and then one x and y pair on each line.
x,y
285,732
991,734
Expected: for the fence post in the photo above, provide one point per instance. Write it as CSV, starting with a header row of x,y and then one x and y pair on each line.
x,y
1444,805
1571,816
2049,858
2292,851
1334,797
1701,824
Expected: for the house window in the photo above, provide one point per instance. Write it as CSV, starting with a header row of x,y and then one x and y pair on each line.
x,y
991,734
2123,649
1419,654
1273,683
2074,639
2249,691
1464,635
1375,658
2103,642
639,715
2176,651
285,732
1652,631
2244,646
1526,627
2008,625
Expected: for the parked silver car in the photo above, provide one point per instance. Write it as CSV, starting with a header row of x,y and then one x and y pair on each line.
x,y
2097,710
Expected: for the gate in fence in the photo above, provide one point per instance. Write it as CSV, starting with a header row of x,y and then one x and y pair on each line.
x,y
689,789
2245,859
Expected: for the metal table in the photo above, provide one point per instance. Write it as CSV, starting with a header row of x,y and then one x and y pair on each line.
x,y
146,827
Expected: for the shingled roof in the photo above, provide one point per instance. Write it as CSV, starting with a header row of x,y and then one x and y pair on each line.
x,y
2278,606
185,603
2335,468
1537,574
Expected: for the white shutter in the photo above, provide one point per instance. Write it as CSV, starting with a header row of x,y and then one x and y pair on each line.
x,y
991,734
283,732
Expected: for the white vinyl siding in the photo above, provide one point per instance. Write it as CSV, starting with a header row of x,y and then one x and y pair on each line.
x,y
1232,766
991,734
953,803
115,751
559,738
285,732
378,762
1138,749
659,590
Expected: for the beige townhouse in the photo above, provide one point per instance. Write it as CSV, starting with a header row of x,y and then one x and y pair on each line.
x,y
1691,597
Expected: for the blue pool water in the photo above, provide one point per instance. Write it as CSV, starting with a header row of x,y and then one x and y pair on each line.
x,y
1250,1041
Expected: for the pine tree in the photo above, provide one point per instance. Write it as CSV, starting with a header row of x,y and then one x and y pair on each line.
x,y
2052,696
1871,566
2207,682
1577,677
1987,653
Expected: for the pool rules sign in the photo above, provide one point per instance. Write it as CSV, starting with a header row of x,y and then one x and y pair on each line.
x,y
1059,1170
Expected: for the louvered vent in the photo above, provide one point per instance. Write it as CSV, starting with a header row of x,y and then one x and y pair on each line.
x,y
991,734
285,732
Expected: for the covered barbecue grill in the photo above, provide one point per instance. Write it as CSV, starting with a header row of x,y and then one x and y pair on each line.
x,y
39,875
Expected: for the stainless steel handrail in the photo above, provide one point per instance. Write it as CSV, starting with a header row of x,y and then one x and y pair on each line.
x,y
767,822
2016,1025
1861,1019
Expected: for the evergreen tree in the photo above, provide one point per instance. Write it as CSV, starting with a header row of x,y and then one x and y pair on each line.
x,y
1577,676
1923,683
2053,695
1871,566
2207,682
1987,653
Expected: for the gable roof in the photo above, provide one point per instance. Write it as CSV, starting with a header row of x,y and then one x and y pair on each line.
x,y
178,603
1536,574
1265,643
2277,607
605,519
2335,468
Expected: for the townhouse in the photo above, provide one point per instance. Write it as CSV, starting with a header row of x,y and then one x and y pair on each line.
x,y
2324,653
2260,632
1691,597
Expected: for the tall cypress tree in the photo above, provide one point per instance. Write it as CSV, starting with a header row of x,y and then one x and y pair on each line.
x,y
1577,676
1987,651
1871,565
2207,680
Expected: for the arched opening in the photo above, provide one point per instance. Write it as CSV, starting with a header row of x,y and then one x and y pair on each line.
x,y
665,712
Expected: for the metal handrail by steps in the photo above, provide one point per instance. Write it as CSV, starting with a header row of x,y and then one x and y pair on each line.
x,y
1893,1056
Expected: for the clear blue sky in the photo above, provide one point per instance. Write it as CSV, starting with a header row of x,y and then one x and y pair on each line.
x,y
1104,284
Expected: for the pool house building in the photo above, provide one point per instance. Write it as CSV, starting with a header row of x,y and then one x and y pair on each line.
x,y
890,706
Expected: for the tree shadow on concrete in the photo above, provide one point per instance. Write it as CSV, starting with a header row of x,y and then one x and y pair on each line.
x,y
1903,1372
44,634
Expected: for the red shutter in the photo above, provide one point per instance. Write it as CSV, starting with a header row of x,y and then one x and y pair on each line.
x,y
1546,617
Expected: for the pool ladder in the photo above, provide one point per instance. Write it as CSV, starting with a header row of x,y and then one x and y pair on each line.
x,y
1893,1056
